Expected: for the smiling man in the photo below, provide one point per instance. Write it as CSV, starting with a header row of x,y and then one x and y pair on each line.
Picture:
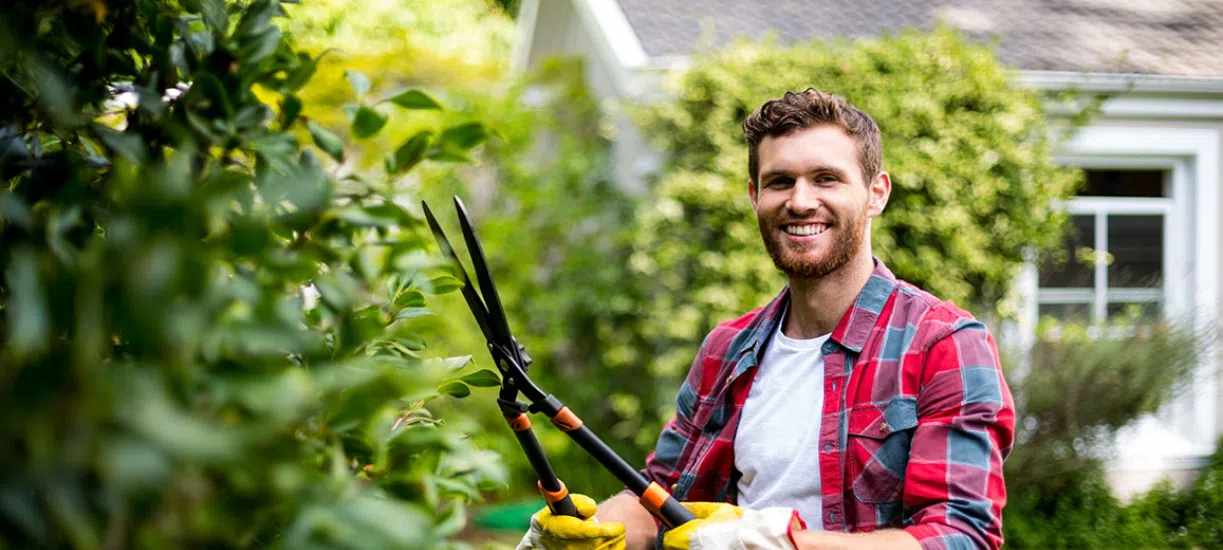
x,y
854,410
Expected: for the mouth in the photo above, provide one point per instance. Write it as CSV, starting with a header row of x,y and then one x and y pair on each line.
x,y
805,229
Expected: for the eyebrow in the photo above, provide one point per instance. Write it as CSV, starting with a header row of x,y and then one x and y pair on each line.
x,y
816,170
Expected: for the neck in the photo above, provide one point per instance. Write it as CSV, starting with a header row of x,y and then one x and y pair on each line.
x,y
817,305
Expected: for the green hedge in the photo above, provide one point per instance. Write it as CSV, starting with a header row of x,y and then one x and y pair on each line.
x,y
208,310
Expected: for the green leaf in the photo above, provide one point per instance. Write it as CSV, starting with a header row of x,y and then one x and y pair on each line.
x,y
454,389
414,312
415,99
463,137
214,15
445,283
359,82
259,46
485,378
410,298
367,122
327,141
412,151
290,107
456,363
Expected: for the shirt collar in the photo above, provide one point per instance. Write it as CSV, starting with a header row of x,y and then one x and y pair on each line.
x,y
855,326
851,331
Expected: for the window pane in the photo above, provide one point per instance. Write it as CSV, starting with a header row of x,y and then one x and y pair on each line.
x,y
1137,246
1124,183
1065,312
1072,273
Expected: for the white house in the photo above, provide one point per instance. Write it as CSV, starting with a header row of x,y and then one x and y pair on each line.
x,y
1153,158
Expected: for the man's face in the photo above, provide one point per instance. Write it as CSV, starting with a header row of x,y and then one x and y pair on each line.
x,y
812,203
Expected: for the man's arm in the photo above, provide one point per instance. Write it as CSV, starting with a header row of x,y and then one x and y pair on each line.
x,y
966,424
640,529
887,539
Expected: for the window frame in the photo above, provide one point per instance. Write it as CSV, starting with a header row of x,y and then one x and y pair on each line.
x,y
1191,254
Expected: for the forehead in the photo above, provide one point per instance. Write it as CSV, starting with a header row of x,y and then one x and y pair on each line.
x,y
825,145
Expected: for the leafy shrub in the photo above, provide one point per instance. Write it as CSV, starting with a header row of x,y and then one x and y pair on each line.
x,y
1063,423
209,332
1078,512
1076,389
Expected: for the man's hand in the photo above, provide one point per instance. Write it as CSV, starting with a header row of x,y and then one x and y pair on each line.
x,y
720,525
551,532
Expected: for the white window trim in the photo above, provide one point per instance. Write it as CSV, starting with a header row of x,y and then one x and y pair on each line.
x,y
1192,154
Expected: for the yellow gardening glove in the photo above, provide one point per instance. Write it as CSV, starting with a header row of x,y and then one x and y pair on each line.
x,y
550,532
707,513
720,526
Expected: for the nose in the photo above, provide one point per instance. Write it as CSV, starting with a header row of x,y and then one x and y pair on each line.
x,y
804,198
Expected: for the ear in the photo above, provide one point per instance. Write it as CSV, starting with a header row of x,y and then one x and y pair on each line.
x,y
751,192
877,194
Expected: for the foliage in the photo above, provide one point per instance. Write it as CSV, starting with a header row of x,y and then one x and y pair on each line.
x,y
1061,420
443,44
1058,490
1080,513
210,333
556,231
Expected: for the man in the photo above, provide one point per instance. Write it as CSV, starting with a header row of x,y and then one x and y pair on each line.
x,y
854,410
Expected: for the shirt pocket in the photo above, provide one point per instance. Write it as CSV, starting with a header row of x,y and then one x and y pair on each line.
x,y
878,449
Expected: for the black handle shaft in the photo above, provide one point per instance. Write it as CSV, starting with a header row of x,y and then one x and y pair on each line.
x,y
670,510
548,482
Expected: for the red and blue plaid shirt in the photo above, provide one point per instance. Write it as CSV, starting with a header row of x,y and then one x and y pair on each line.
x,y
917,417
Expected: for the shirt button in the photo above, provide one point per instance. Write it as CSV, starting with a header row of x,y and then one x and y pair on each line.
x,y
832,517
829,347
827,447
834,385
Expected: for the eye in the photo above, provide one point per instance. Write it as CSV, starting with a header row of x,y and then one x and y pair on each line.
x,y
780,181
827,178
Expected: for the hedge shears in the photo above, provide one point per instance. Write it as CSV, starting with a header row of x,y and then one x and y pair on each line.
x,y
512,361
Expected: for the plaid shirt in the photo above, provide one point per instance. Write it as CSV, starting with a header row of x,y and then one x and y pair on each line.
x,y
917,417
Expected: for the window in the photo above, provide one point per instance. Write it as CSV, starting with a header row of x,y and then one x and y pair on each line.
x,y
1117,249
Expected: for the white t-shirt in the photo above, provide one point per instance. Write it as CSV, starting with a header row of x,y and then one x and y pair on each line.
x,y
776,445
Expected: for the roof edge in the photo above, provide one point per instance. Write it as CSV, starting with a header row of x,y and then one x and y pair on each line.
x,y
1120,82
607,19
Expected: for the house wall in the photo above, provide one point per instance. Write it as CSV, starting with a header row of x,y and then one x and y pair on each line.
x,y
1141,455
568,28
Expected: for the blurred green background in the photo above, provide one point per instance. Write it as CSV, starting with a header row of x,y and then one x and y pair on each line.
x,y
225,326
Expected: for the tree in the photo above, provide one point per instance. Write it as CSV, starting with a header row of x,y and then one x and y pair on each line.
x,y
209,316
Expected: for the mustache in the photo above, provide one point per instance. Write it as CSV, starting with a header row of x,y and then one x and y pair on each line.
x,y
803,221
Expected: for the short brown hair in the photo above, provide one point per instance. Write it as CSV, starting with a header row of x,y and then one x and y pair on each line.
x,y
799,111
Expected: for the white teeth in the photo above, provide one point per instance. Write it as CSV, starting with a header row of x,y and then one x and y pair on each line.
x,y
805,230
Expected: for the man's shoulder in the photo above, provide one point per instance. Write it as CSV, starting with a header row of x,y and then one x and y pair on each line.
x,y
929,314
728,333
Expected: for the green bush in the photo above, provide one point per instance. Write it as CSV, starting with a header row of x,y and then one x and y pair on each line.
x,y
1076,388
1075,510
211,330
1063,423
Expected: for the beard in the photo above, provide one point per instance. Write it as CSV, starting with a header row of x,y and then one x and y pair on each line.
x,y
796,262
